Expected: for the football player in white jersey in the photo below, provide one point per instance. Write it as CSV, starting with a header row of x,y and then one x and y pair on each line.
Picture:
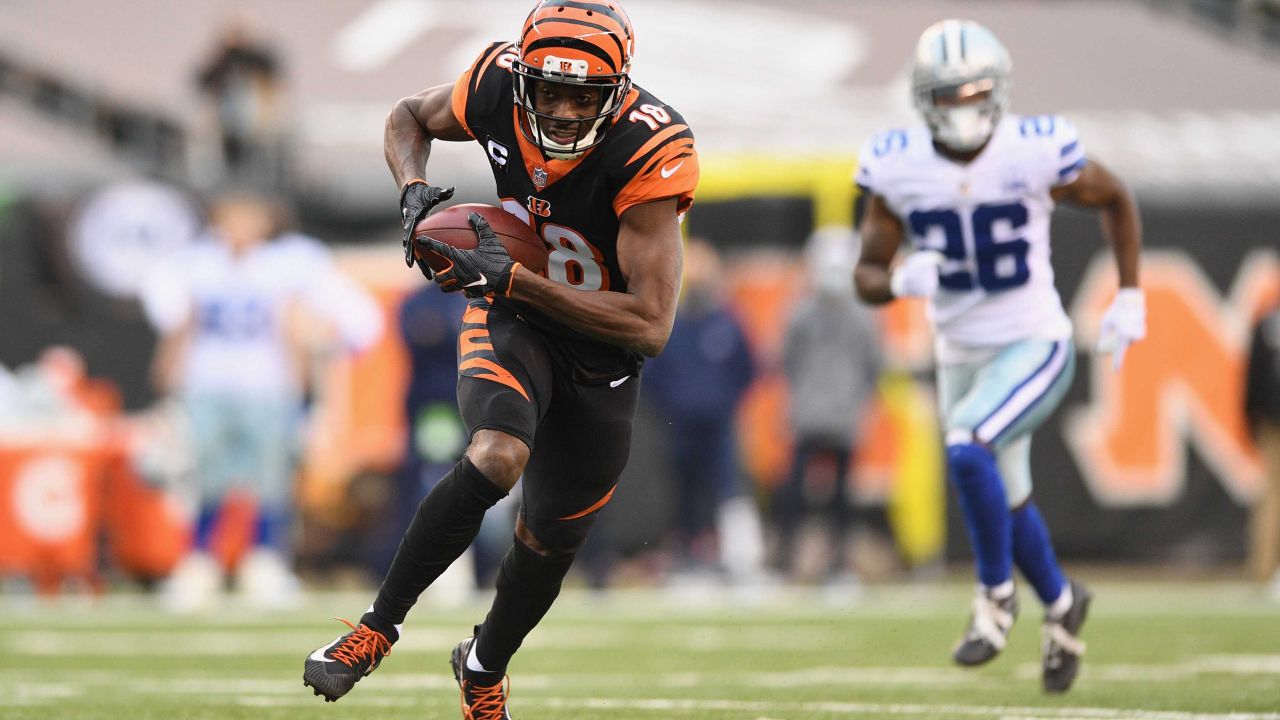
x,y
970,191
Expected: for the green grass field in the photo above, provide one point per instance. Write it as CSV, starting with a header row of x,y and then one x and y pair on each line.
x,y
1160,651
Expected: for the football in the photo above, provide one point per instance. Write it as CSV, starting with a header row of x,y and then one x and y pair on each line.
x,y
450,226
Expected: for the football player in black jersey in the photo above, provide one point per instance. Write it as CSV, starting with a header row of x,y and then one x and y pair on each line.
x,y
548,363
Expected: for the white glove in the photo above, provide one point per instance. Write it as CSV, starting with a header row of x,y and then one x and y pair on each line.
x,y
917,276
1124,322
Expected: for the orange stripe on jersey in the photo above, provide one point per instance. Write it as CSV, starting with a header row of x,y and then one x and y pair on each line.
x,y
598,504
458,100
484,65
632,96
657,140
678,149
490,370
675,177
467,82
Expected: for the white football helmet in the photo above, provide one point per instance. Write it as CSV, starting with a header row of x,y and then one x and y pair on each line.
x,y
957,60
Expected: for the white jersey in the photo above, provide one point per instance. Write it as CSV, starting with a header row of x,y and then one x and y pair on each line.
x,y
989,218
237,309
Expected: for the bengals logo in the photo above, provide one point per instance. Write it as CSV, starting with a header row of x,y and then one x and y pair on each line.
x,y
1182,385
539,207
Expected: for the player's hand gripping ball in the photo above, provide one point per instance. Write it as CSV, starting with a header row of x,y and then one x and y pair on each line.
x,y
416,200
474,248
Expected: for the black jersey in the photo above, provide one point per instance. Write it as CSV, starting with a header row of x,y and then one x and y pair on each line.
x,y
574,205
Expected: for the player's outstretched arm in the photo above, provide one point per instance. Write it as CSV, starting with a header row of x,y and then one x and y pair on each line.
x,y
649,254
413,123
881,233
1098,187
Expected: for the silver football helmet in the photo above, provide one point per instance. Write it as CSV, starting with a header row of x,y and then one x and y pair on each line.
x,y
960,82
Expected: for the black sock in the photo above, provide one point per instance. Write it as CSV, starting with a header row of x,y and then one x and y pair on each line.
x,y
446,522
527,585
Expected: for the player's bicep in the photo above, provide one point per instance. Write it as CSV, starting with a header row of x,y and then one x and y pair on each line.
x,y
1094,186
881,232
433,110
649,255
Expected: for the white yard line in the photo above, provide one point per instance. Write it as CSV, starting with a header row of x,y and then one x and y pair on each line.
x,y
262,693
881,709
758,709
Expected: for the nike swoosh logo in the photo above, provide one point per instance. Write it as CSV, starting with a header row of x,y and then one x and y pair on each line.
x,y
619,381
668,173
318,655
477,283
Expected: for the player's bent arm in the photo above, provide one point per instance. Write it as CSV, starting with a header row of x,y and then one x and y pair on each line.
x,y
1098,187
169,358
649,254
881,233
413,123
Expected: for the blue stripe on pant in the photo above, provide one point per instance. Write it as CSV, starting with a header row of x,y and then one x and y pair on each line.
x,y
1001,399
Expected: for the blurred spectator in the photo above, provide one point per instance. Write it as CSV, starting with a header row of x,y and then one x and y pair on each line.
x,y
429,325
831,359
243,81
1262,408
697,383
244,314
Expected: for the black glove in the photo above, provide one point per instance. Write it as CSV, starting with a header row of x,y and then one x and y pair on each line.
x,y
486,269
416,200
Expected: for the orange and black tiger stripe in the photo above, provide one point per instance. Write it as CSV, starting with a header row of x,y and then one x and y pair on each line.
x,y
666,165
469,83
597,31
475,351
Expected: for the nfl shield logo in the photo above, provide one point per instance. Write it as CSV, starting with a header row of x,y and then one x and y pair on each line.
x,y
539,178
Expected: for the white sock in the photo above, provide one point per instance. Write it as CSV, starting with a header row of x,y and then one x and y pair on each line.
x,y
1059,607
473,662
1001,591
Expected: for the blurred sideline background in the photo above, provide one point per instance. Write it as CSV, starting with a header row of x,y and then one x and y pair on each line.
x,y
116,129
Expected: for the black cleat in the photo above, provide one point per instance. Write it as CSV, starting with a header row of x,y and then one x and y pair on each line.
x,y
1061,647
479,702
989,624
336,668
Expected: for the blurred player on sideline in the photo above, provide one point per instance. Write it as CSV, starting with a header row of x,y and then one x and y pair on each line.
x,y
972,189
548,372
697,385
241,315
831,357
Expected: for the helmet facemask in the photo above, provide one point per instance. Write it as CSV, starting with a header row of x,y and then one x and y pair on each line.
x,y
613,89
962,115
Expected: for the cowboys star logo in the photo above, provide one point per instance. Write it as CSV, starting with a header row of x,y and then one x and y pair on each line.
x,y
539,178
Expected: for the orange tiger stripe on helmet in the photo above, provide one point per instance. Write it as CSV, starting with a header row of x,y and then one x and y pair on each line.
x,y
596,31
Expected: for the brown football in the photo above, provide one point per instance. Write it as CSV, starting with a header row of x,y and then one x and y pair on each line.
x,y
450,226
